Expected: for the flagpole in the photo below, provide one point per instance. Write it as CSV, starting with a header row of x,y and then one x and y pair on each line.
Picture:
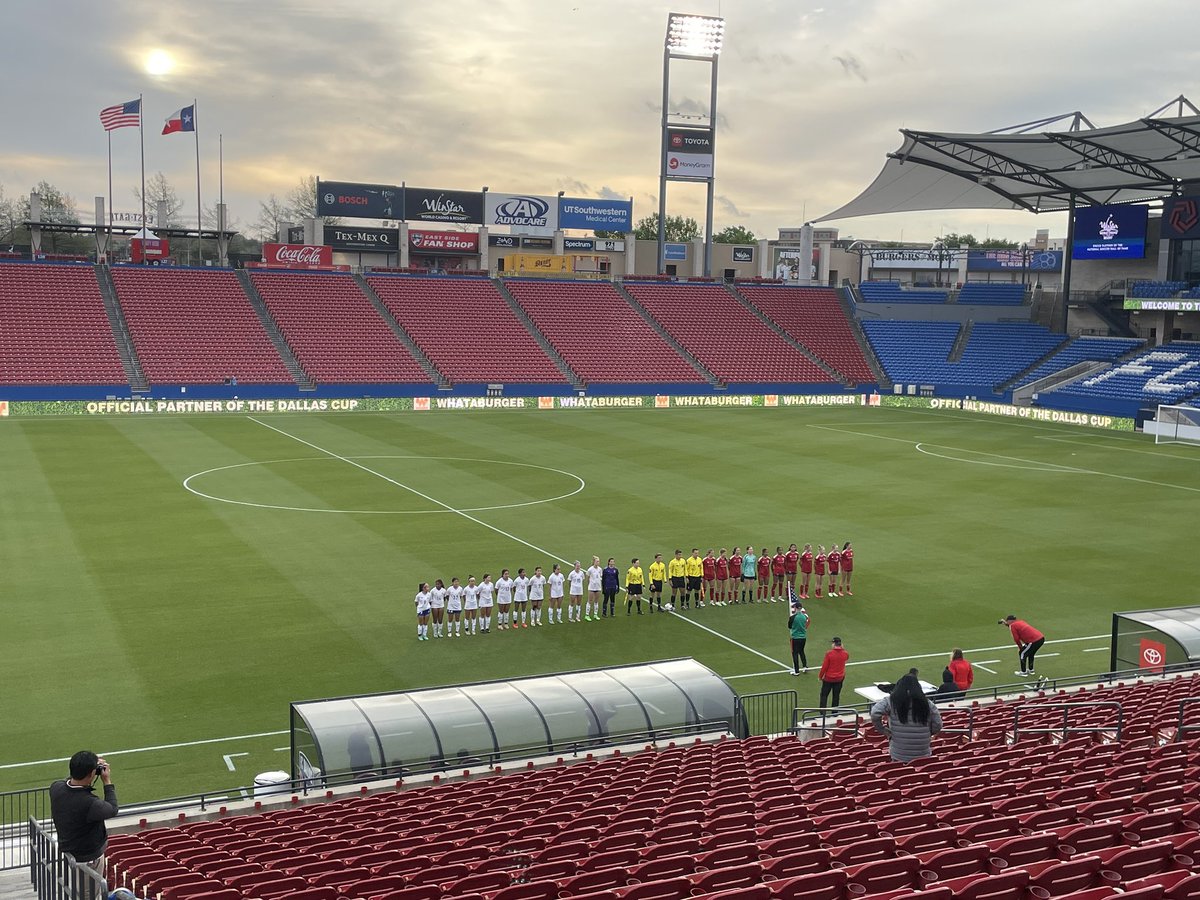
x,y
142,141
199,207
221,169
109,248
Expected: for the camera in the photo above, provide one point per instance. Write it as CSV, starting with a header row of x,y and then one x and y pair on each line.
x,y
102,768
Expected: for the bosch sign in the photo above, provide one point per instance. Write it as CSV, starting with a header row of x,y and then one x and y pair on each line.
x,y
361,201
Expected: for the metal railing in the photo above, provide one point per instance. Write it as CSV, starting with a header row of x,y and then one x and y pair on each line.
x,y
1183,728
56,875
813,719
766,713
16,809
1066,727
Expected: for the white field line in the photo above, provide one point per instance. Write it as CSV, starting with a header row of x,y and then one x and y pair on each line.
x,y
1031,463
239,737
1097,649
245,737
490,527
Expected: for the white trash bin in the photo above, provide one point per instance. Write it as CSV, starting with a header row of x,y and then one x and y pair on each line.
x,y
268,783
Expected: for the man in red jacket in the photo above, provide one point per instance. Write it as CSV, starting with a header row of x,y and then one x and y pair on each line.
x,y
833,672
1028,640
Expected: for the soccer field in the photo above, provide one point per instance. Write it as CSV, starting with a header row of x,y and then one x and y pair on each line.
x,y
170,584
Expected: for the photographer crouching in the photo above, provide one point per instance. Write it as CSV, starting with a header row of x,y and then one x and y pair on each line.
x,y
79,814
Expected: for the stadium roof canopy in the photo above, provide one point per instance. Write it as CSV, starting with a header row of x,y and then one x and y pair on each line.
x,y
1037,171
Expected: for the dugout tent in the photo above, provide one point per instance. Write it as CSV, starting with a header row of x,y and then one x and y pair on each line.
x,y
1155,639
483,723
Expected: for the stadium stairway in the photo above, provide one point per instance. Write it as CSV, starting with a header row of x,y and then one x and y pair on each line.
x,y
302,379
561,364
120,329
667,336
834,374
846,301
1033,366
403,336
959,347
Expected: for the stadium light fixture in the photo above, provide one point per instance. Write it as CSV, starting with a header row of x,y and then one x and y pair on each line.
x,y
695,36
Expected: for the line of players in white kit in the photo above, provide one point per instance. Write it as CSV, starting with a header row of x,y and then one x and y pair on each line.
x,y
456,609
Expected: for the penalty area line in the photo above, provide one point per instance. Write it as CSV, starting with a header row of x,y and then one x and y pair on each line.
x,y
490,527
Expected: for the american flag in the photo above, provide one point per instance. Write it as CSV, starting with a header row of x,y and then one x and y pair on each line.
x,y
123,115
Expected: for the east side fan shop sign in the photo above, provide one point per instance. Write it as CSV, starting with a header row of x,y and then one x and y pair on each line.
x,y
297,256
444,241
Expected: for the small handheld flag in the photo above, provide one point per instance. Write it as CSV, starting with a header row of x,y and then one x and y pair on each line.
x,y
181,120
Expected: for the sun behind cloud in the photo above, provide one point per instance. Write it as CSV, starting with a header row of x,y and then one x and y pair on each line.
x,y
158,62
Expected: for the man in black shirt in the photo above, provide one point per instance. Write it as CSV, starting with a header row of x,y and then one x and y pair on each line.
x,y
78,813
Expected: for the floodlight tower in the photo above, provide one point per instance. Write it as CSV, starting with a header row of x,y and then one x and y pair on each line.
x,y
687,151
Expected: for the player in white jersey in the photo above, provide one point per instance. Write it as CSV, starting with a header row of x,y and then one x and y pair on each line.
x,y
470,605
537,585
555,581
437,602
522,585
595,576
486,589
423,609
454,605
575,580
504,596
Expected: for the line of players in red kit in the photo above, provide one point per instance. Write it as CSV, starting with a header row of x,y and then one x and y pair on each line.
x,y
751,578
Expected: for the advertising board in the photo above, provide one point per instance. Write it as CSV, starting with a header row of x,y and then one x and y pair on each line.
x,y
523,213
353,200
595,215
379,240
437,205
1110,232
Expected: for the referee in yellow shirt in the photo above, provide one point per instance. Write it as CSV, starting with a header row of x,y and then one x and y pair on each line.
x,y
634,579
677,572
695,576
658,574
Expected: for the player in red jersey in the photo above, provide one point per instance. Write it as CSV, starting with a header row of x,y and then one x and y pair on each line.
x,y
847,568
791,562
764,574
806,567
735,574
722,577
834,561
819,567
778,575
709,564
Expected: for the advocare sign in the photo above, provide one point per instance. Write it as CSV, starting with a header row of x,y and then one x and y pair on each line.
x,y
297,256
378,240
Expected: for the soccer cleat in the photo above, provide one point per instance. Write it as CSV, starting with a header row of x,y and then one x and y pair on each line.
x,y
796,673
525,624
1019,672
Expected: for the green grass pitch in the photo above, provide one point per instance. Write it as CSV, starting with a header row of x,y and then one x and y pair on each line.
x,y
141,616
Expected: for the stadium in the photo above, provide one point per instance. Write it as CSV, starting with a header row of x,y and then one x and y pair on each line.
x,y
226,482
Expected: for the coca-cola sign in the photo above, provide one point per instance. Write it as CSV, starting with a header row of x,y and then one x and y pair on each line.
x,y
297,256
444,241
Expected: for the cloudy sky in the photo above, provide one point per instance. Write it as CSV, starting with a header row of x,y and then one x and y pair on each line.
x,y
546,95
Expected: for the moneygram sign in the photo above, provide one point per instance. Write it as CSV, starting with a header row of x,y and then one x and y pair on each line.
x,y
689,165
297,256
523,213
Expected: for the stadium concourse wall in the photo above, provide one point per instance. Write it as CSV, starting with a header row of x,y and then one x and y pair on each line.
x,y
319,406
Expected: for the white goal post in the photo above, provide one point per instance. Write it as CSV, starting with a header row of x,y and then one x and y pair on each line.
x,y
1177,425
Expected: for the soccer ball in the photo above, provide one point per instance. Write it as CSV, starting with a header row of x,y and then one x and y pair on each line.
x,y
670,606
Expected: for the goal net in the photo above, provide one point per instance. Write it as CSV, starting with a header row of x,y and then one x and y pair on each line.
x,y
1177,425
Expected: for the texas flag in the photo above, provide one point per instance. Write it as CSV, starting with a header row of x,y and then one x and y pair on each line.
x,y
181,120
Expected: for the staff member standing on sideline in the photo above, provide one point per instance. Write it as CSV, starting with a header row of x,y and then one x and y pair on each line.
x,y
833,672
1028,640
798,626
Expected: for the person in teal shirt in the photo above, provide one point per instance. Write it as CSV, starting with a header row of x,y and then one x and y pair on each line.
x,y
798,626
749,573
